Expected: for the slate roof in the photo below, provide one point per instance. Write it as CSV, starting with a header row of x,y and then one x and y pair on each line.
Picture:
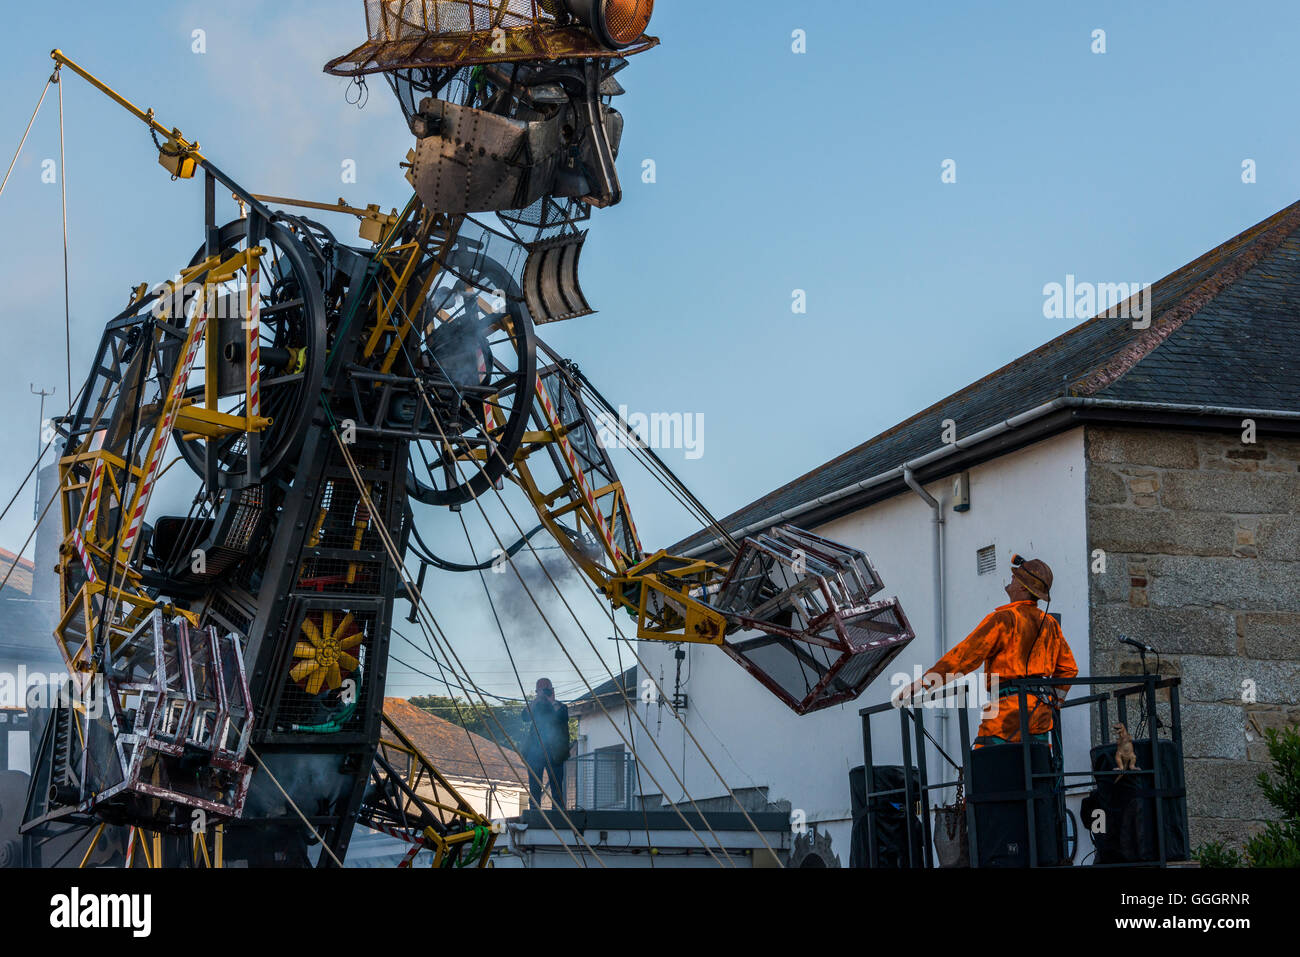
x,y
448,746
1225,331
21,579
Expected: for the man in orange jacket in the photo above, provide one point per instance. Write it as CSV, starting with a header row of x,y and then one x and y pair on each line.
x,y
1018,640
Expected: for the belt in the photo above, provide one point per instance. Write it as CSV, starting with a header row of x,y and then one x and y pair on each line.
x,y
987,739
1008,692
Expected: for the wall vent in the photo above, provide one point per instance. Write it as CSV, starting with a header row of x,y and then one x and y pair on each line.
x,y
986,559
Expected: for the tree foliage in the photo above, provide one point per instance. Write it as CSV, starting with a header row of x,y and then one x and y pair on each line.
x,y
1278,845
499,722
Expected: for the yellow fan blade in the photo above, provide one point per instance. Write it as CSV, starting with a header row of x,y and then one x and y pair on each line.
x,y
317,678
302,669
311,631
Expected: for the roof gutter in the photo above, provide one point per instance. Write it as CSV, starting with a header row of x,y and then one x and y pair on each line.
x,y
993,431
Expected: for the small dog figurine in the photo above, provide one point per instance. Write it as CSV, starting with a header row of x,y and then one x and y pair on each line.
x,y
1125,756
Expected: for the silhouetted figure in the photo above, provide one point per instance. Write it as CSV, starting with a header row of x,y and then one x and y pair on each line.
x,y
546,745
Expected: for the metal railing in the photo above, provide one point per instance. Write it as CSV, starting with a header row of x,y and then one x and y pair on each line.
x,y
1159,783
601,781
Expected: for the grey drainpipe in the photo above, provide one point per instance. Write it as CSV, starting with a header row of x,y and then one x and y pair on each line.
x,y
1006,425
940,612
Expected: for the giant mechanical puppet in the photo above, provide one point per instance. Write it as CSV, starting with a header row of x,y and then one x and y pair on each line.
x,y
322,393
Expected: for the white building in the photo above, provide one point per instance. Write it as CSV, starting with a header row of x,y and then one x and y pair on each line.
x,y
1154,464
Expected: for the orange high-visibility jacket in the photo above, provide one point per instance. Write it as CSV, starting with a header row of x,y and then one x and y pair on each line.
x,y
1004,643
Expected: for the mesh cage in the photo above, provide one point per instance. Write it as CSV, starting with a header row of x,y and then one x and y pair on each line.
x,y
545,219
414,34
388,20
809,677
820,639
152,752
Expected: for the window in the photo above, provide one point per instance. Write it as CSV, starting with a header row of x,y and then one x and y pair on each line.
x,y
986,559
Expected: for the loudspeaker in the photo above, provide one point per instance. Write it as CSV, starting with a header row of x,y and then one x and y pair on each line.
x,y
892,819
1001,825
1129,833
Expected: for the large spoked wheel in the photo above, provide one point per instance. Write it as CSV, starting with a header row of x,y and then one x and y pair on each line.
x,y
292,345
479,352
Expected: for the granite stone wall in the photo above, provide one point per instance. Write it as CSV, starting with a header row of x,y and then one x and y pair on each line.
x,y
1202,540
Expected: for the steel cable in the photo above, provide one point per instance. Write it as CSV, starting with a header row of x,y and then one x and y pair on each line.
x,y
631,746
418,600
23,141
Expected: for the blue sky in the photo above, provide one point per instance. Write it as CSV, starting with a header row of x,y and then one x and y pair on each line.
x,y
776,171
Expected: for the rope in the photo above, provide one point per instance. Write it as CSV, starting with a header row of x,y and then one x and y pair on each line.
x,y
315,833
23,141
29,540
63,184
390,547
641,664
685,728
53,498
417,601
630,745
629,707
500,628
486,694
37,464
651,461
599,657
443,641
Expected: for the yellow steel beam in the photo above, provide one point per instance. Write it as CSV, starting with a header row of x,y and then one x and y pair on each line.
x,y
146,117
209,423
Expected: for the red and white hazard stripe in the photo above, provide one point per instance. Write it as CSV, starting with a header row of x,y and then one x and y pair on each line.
x,y
410,856
163,435
80,544
96,486
417,842
489,420
252,343
87,527
401,835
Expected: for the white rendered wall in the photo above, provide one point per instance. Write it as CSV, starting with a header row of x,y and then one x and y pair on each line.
x,y
1031,502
